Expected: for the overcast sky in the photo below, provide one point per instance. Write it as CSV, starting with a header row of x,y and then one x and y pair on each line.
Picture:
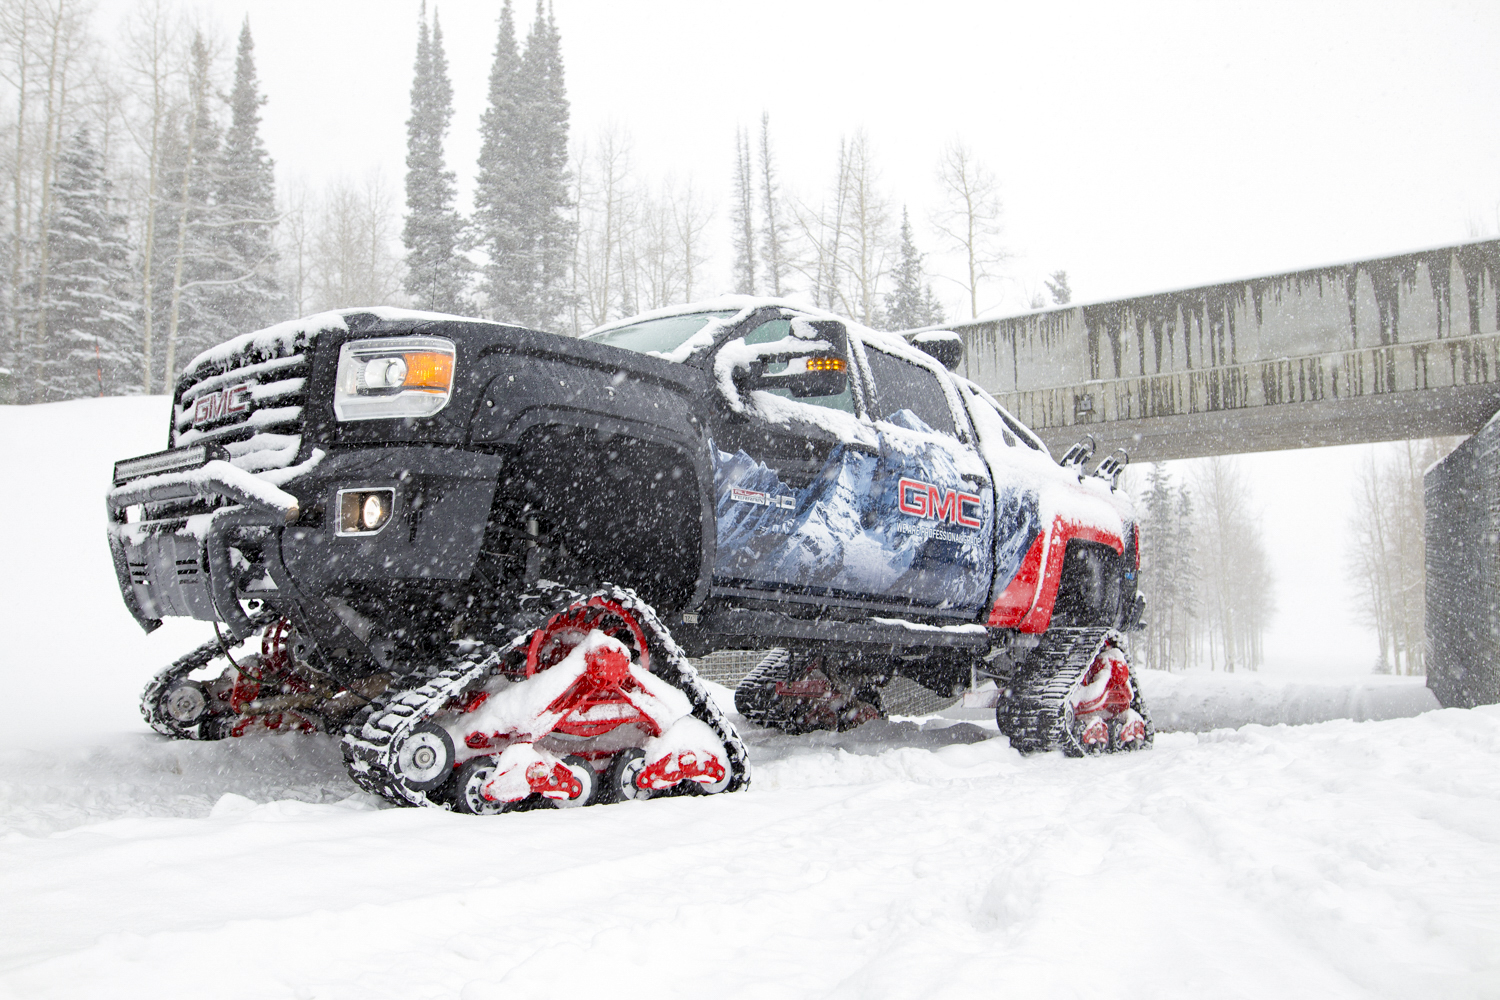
x,y
1140,147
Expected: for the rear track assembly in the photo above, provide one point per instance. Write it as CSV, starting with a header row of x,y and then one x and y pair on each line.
x,y
1075,693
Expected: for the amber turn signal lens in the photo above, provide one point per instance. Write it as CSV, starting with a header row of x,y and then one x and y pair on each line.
x,y
428,370
825,364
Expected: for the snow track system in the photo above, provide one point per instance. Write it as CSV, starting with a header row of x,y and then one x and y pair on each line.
x,y
799,697
1076,693
589,701
594,702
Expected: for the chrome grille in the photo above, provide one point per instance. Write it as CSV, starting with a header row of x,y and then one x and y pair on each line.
x,y
251,403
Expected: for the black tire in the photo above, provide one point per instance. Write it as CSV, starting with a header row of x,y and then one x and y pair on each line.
x,y
618,783
425,759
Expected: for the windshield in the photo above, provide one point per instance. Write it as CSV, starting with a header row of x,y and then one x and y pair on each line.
x,y
657,336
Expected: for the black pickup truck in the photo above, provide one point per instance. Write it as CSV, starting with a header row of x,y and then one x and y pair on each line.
x,y
483,553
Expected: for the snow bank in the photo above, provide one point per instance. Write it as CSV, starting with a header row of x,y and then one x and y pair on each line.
x,y
1337,860
1198,701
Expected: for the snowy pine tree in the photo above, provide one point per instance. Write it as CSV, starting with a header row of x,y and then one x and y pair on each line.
x,y
910,304
246,205
437,273
193,264
547,233
742,222
499,191
1057,287
91,347
1169,575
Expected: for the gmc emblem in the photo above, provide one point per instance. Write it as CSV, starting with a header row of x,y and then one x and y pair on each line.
x,y
921,499
235,399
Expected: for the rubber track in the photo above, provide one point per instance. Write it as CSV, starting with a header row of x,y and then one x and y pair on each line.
x,y
370,749
181,667
755,695
1032,716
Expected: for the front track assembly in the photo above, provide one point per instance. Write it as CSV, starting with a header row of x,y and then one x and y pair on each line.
x,y
269,690
589,701
1076,693
802,695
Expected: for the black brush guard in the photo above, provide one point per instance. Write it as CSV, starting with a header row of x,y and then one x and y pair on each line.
x,y
182,565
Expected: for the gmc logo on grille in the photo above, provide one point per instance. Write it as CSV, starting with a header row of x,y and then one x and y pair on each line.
x,y
235,399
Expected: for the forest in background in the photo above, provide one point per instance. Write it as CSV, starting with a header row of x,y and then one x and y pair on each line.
x,y
143,220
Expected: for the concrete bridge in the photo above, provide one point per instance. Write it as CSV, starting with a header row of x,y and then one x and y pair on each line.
x,y
1387,349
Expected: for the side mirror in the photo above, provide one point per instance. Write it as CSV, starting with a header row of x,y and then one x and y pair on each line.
x,y
947,348
812,361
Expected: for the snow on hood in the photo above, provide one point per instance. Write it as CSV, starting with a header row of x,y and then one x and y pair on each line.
x,y
282,338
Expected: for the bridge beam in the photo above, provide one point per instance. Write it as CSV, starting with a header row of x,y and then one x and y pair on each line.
x,y
1385,349
1442,412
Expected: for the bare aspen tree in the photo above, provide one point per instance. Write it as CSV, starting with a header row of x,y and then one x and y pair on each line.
x,y
742,228
41,45
691,217
198,92
969,220
821,231
868,247
353,256
605,221
62,34
151,41
773,236
657,269
850,237
1237,586
576,266
1387,558
15,29
296,236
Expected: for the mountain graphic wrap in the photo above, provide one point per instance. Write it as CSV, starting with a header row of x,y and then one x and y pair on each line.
x,y
844,533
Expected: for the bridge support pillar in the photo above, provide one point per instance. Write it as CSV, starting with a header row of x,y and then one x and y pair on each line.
x,y
1462,532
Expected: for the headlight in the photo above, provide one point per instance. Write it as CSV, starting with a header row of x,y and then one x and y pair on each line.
x,y
393,377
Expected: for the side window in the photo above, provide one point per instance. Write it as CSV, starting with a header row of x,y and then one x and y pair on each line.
x,y
901,385
779,329
988,420
983,405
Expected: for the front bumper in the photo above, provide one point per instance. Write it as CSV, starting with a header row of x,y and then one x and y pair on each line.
x,y
181,566
255,539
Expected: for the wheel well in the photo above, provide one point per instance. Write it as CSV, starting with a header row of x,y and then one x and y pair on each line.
x,y
1092,589
584,508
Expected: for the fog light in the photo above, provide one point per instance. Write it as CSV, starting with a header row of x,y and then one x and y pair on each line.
x,y
364,512
374,512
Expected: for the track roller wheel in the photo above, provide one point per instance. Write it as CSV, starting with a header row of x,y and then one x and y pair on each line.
x,y
586,777
712,788
618,784
425,759
185,703
468,794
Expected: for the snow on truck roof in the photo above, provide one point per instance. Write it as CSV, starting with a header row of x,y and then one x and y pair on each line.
x,y
739,306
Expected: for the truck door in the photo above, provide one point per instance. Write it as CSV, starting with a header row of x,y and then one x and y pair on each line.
x,y
932,492
792,480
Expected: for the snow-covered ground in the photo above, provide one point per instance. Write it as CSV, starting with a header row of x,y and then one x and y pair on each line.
x,y
1335,859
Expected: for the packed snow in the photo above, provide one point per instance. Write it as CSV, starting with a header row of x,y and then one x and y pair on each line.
x,y
1337,858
